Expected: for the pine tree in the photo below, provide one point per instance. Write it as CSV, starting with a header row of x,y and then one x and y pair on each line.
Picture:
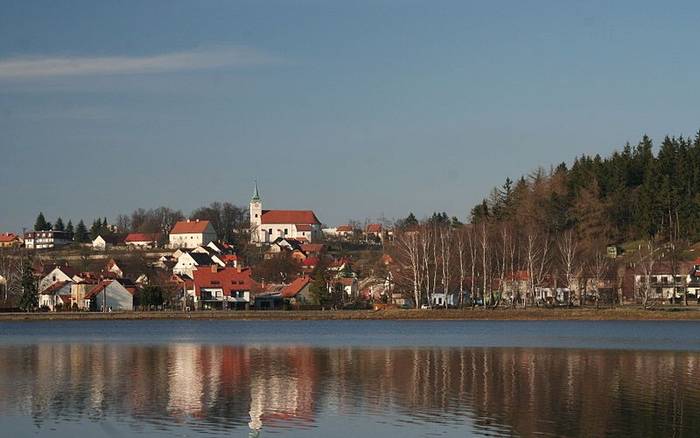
x,y
81,233
96,228
318,288
41,224
29,300
70,230
58,226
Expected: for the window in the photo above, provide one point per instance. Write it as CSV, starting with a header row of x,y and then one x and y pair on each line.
x,y
285,231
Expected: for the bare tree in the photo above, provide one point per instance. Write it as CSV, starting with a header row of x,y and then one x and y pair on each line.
x,y
647,254
568,251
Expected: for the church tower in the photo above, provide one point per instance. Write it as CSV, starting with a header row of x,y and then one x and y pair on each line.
x,y
255,216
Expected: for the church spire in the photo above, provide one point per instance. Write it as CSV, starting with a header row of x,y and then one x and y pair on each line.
x,y
256,194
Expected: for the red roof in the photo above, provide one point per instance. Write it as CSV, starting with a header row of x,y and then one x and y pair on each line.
x,y
99,287
190,226
303,227
8,237
344,228
291,290
310,261
312,247
228,279
142,237
290,217
55,287
374,228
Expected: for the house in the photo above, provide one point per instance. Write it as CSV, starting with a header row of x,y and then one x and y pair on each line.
x,y
374,232
10,240
78,291
142,240
109,295
223,288
102,243
668,283
348,285
191,234
268,225
188,262
345,231
58,274
299,291
56,296
46,239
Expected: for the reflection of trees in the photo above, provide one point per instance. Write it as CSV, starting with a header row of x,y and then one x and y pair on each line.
x,y
521,391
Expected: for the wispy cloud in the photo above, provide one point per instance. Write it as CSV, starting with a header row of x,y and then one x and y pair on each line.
x,y
205,59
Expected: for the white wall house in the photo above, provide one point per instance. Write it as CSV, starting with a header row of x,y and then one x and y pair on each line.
x,y
46,239
57,274
58,294
188,262
191,234
111,294
142,240
268,225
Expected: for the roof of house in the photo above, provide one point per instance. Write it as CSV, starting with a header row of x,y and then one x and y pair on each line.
x,y
289,217
113,239
8,237
310,261
303,227
374,228
201,259
142,237
228,279
344,228
190,227
292,289
102,285
312,247
55,287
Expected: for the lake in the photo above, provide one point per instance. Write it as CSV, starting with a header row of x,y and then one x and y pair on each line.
x,y
349,378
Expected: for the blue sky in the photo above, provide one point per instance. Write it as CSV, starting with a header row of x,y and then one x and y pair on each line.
x,y
354,109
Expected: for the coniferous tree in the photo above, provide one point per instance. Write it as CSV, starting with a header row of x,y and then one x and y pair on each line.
x,y
70,230
59,226
41,224
81,233
29,300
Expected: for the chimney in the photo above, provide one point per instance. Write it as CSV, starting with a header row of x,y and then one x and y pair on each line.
x,y
238,269
197,220
214,268
188,221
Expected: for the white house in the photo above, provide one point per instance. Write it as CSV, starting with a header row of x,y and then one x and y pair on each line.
x,y
142,240
188,262
112,294
46,239
268,225
101,243
191,234
58,294
58,274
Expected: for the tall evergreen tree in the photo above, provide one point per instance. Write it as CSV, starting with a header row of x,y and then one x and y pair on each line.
x,y
41,224
58,226
70,230
29,300
81,233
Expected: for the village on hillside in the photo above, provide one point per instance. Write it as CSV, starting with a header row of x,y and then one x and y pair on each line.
x,y
286,259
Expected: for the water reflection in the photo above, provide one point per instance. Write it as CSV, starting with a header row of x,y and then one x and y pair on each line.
x,y
216,389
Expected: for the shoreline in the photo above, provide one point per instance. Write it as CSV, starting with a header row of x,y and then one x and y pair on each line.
x,y
533,314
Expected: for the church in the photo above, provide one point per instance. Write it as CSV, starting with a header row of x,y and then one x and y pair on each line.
x,y
268,225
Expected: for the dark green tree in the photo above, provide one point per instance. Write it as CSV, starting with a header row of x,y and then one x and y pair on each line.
x,y
41,224
319,288
29,300
59,226
81,233
70,230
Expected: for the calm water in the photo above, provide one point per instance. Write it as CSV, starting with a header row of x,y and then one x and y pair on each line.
x,y
349,378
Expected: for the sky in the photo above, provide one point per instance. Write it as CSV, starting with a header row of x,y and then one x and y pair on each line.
x,y
362,109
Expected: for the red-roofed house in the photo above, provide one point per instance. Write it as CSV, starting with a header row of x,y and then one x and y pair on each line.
x,y
268,225
142,240
216,287
192,233
110,295
9,240
58,294
298,291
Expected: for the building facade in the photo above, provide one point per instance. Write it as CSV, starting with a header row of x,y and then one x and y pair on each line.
x,y
268,225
